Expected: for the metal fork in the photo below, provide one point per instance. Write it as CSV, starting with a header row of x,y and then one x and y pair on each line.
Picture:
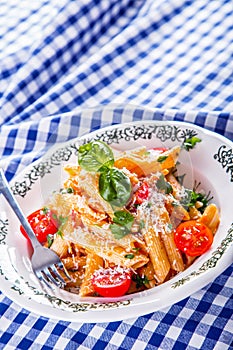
x,y
45,262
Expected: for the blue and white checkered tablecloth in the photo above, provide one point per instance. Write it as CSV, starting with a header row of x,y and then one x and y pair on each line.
x,y
60,57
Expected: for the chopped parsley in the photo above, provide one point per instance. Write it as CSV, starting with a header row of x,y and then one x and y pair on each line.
x,y
61,222
140,280
129,256
45,210
136,249
190,143
162,159
70,190
170,226
191,197
50,239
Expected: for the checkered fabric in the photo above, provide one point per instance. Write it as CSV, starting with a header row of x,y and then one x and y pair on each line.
x,y
60,57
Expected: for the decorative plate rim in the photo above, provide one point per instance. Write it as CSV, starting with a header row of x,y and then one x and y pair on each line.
x,y
44,165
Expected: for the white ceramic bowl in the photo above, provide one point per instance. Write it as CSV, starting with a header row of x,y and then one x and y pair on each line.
x,y
210,162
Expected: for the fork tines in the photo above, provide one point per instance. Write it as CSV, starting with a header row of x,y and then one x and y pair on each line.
x,y
51,276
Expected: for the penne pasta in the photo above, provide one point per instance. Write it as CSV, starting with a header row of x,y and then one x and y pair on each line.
x,y
143,164
60,246
88,187
124,218
109,250
158,255
173,253
211,217
93,263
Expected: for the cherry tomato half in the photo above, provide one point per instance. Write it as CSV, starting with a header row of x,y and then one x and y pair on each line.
x,y
42,223
193,238
141,193
160,149
111,282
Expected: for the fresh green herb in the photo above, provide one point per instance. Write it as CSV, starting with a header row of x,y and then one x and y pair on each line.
x,y
94,155
50,239
123,218
169,226
129,256
69,190
141,224
190,143
146,153
191,197
163,185
122,223
140,280
59,233
114,187
175,204
45,210
119,231
161,159
61,222
149,205
136,249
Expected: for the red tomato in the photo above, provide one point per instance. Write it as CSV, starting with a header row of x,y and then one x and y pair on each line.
x,y
42,223
193,238
111,282
160,149
141,193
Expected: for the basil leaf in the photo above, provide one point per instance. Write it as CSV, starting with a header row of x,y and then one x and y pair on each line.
x,y
114,187
163,185
94,155
119,231
122,223
141,224
123,218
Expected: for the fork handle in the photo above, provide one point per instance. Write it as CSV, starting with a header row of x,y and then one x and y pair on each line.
x,y
7,193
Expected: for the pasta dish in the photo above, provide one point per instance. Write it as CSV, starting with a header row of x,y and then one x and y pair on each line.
x,y
123,222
